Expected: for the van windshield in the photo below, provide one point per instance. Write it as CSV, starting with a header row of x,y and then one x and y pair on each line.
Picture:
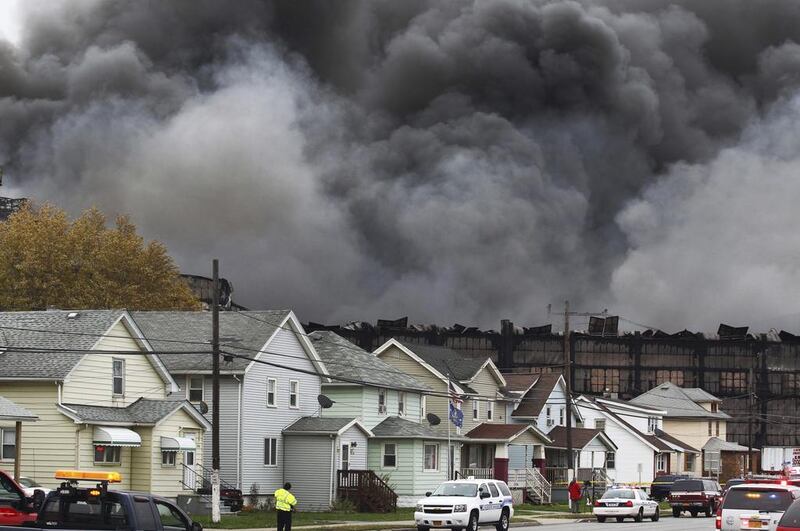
x,y
758,500
468,490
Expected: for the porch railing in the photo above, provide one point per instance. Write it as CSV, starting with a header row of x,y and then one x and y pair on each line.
x,y
477,473
367,490
557,476
537,488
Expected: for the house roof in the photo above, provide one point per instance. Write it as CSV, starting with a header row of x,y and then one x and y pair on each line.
x,y
679,402
502,432
11,411
519,382
580,437
674,441
400,428
242,333
535,399
345,360
142,412
649,439
323,426
51,329
449,362
717,444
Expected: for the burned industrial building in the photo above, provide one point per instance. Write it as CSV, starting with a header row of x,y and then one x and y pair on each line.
x,y
756,374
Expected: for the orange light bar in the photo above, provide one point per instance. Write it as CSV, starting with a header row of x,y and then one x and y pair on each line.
x,y
77,475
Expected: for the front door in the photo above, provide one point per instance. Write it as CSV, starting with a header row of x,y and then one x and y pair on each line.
x,y
190,470
345,465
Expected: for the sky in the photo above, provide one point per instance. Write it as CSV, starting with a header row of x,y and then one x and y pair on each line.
x,y
448,161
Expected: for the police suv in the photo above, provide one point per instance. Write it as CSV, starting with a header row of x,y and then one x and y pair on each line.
x,y
466,504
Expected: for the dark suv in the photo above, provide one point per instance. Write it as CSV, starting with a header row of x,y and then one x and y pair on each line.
x,y
695,495
659,489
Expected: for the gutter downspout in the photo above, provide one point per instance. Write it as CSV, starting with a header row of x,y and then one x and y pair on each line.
x,y
239,433
331,487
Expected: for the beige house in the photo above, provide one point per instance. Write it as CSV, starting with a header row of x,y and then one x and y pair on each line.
x,y
691,414
102,398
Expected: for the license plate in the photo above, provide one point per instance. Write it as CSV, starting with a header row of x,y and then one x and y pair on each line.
x,y
437,522
612,504
754,524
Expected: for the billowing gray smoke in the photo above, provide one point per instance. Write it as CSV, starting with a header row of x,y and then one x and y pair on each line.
x,y
448,160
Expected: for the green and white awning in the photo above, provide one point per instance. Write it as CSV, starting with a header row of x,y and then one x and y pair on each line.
x,y
177,444
112,436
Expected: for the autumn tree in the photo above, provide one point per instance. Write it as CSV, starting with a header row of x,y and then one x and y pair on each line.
x,y
47,260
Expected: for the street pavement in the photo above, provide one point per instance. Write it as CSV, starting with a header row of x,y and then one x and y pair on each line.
x,y
665,524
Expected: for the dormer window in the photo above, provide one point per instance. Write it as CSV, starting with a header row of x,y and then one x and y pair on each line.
x,y
652,424
713,407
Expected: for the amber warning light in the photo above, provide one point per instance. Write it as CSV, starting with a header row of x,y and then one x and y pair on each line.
x,y
78,475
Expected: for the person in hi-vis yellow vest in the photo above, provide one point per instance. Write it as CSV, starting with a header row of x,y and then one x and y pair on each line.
x,y
284,504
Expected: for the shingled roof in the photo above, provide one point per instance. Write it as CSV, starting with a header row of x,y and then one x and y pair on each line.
x,y
51,329
519,382
537,396
447,361
654,441
142,412
580,437
400,428
322,426
679,402
503,432
242,333
345,360
11,411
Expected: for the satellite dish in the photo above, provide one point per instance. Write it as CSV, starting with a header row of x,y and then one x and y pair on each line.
x,y
324,401
203,408
433,420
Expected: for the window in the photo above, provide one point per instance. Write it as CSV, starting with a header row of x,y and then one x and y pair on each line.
x,y
171,517
600,424
476,409
9,440
294,394
382,401
717,429
611,460
602,380
431,457
107,454
196,384
401,403
272,388
675,377
345,457
168,458
733,381
709,428
561,417
661,462
144,515
389,455
118,376
423,406
493,490
652,424
689,462
714,407
504,489
490,410
270,452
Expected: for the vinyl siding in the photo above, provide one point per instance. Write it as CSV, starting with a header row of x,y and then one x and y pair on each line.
x,y
86,458
260,421
358,455
90,382
142,463
520,456
694,432
409,477
47,444
486,386
228,425
166,480
308,469
349,401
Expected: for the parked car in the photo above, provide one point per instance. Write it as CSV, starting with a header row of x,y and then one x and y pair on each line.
x,y
755,506
15,507
695,496
466,504
625,502
731,482
659,488
29,486
95,507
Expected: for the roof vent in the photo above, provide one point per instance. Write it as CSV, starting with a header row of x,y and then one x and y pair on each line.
x,y
72,315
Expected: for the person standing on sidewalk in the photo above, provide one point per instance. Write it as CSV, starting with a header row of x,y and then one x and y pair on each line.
x,y
574,490
284,505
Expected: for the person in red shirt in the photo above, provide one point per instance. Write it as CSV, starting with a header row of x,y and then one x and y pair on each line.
x,y
575,496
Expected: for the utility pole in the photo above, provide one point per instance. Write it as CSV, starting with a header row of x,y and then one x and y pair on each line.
x,y
215,518
568,382
751,413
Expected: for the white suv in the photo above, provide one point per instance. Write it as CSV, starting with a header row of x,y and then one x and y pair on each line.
x,y
466,504
755,506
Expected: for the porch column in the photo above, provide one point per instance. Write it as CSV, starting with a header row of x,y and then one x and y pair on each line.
x,y
501,462
18,450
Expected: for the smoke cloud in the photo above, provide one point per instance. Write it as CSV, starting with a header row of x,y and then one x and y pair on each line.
x,y
446,160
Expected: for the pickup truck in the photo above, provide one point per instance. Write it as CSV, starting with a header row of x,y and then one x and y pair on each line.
x,y
16,508
97,508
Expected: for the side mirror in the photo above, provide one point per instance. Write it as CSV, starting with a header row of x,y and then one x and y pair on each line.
x,y
37,500
428,494
196,527
485,495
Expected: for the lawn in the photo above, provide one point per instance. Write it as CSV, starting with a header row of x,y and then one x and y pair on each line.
x,y
268,518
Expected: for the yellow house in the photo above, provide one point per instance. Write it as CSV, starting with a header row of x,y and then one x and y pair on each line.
x,y
103,401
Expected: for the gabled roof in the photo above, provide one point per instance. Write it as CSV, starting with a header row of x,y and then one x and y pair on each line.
x,y
581,437
400,428
324,426
504,432
345,360
11,411
650,440
680,403
143,412
535,399
717,444
519,383
51,329
675,442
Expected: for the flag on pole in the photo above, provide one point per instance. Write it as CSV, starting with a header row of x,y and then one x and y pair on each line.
x,y
456,415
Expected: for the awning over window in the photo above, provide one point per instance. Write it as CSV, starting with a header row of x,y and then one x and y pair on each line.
x,y
177,444
110,436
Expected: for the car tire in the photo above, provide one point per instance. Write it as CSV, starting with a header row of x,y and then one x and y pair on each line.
x,y
503,524
620,518
639,516
601,519
676,512
472,525
656,515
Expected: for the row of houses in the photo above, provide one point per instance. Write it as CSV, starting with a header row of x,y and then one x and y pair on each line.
x,y
131,391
